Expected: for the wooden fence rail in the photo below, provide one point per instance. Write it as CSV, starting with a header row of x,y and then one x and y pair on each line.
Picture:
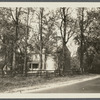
x,y
47,73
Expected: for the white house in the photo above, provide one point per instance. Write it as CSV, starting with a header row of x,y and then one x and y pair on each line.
x,y
48,62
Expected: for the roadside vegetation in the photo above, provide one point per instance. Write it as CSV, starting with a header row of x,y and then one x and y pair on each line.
x,y
16,84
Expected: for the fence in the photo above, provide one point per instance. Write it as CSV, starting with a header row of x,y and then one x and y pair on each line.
x,y
44,73
29,73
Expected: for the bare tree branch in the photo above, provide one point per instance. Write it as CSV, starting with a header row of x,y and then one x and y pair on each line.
x,y
12,15
61,29
19,11
71,34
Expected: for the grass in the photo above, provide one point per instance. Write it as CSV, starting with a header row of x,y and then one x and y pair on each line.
x,y
10,83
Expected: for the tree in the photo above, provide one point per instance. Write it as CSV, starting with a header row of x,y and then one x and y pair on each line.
x,y
6,36
16,23
13,36
81,45
40,32
67,29
85,19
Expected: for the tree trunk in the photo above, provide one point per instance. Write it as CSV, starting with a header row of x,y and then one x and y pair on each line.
x,y
64,58
26,38
14,59
82,28
41,46
64,43
5,56
15,44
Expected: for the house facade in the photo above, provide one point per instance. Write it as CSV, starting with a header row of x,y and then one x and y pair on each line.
x,y
48,62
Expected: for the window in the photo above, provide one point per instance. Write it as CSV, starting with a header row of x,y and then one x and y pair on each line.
x,y
34,66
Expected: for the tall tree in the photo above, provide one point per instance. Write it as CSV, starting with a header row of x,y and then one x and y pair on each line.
x,y
16,23
6,35
81,30
85,19
67,29
40,32
26,38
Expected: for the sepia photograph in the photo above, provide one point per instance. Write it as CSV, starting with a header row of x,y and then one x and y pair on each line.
x,y
49,49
